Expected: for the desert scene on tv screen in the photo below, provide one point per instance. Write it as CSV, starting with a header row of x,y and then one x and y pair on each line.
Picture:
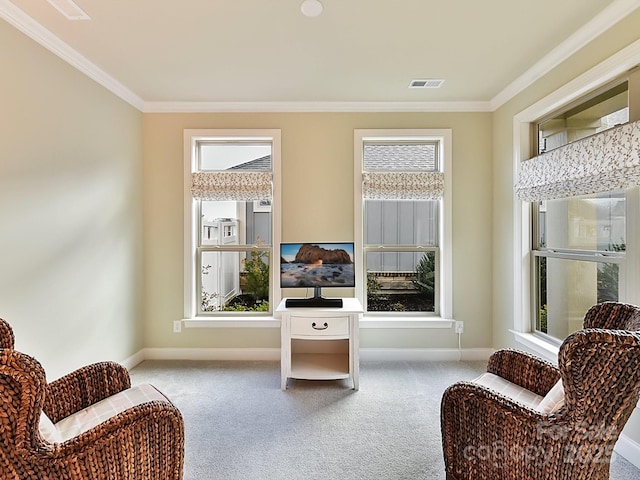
x,y
317,265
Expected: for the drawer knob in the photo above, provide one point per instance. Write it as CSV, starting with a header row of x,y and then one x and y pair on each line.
x,y
324,327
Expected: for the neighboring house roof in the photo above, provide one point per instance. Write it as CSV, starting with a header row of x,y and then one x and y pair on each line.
x,y
262,164
408,157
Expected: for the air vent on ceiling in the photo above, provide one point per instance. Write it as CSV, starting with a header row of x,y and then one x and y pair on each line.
x,y
428,83
69,9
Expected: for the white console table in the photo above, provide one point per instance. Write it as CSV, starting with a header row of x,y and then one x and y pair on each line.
x,y
320,343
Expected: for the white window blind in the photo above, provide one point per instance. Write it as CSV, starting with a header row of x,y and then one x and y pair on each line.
x,y
607,161
402,185
231,185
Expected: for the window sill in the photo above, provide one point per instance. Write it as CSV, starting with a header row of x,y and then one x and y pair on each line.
x,y
538,345
231,322
271,322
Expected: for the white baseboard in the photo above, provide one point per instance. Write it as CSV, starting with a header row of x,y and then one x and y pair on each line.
x,y
268,354
273,354
629,449
133,360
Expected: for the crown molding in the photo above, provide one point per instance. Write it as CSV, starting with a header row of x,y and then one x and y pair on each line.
x,y
607,70
255,107
609,16
48,40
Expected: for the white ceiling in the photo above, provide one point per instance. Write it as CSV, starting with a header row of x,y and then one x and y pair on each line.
x,y
163,55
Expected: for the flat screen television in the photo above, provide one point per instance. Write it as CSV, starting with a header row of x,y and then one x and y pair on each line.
x,y
317,266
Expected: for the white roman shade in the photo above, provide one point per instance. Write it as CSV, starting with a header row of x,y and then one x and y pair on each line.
x,y
606,161
402,185
226,185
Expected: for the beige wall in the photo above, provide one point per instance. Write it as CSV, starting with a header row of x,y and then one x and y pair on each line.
x,y
317,199
601,48
72,254
623,34
70,211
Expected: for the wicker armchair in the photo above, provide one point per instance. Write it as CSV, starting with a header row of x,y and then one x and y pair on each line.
x,y
143,442
489,436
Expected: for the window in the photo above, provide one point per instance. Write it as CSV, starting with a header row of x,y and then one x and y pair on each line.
x,y
580,199
231,201
403,222
580,241
579,258
605,109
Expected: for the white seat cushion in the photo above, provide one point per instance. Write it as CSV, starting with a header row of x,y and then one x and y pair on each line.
x,y
509,389
550,403
553,400
87,418
48,430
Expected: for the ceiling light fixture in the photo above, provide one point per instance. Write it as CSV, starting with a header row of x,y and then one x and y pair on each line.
x,y
311,8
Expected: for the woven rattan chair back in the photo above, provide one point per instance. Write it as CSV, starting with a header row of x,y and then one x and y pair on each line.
x,y
613,316
6,335
600,371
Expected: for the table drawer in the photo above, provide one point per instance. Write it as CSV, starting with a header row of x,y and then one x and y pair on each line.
x,y
320,326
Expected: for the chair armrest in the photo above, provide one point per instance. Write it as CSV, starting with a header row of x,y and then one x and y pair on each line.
x,y
22,391
84,387
524,369
147,439
471,394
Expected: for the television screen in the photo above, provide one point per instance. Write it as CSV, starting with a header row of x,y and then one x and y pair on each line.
x,y
316,265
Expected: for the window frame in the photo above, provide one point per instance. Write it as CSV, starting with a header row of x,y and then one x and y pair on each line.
x,y
192,137
619,64
443,317
563,254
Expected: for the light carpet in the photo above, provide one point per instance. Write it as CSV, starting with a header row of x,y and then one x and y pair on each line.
x,y
239,425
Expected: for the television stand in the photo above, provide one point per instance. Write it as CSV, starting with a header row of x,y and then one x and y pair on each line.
x,y
313,302
320,343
